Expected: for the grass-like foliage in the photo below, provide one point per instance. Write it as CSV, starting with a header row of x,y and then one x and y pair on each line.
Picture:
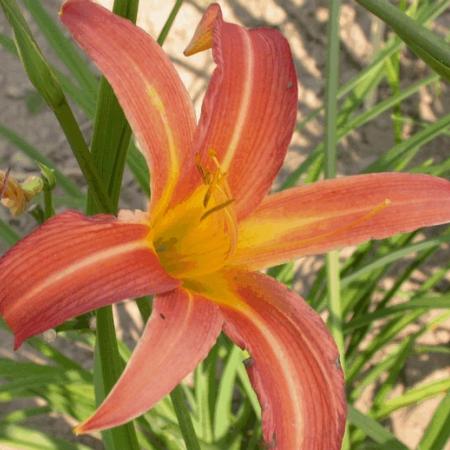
x,y
380,301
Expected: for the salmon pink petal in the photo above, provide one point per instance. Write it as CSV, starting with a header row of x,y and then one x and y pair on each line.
x,y
294,364
249,110
331,214
147,86
73,264
179,334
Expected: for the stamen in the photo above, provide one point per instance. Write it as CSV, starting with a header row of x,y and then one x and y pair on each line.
x,y
216,182
216,208
213,184
202,171
213,155
212,179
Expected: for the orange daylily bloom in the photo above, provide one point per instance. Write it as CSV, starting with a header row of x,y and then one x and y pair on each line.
x,y
210,226
16,196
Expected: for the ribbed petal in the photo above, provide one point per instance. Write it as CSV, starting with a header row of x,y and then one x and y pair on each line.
x,y
179,334
294,365
250,107
331,214
146,84
73,264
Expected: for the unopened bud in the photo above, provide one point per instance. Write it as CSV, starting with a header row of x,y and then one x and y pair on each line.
x,y
48,176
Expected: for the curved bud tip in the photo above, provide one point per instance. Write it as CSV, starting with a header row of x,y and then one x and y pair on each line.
x,y
203,36
66,3
79,429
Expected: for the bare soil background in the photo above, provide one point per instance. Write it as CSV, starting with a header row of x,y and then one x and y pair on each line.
x,y
303,22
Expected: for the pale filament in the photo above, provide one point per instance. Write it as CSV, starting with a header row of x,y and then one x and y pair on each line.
x,y
217,182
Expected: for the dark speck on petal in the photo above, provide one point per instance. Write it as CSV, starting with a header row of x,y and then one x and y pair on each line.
x,y
249,362
337,363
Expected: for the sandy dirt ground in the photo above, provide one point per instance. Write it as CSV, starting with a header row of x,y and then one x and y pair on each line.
x,y
303,22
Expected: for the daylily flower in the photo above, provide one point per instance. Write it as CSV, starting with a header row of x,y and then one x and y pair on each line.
x,y
209,229
16,196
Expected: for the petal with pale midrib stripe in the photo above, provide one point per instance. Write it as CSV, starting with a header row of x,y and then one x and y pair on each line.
x,y
74,264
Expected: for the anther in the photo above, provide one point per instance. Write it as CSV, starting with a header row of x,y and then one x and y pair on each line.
x,y
213,155
203,173
216,208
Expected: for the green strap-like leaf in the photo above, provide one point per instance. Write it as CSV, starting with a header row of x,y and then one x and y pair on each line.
x,y
374,430
184,420
437,302
25,438
7,234
35,65
437,433
394,256
63,47
426,44
413,396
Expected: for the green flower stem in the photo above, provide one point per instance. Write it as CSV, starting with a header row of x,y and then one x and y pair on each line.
x,y
112,134
332,258
334,300
145,307
332,83
49,182
169,22
49,211
330,144
184,419
84,158
111,366
109,147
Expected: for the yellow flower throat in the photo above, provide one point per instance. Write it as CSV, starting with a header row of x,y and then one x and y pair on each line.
x,y
199,235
